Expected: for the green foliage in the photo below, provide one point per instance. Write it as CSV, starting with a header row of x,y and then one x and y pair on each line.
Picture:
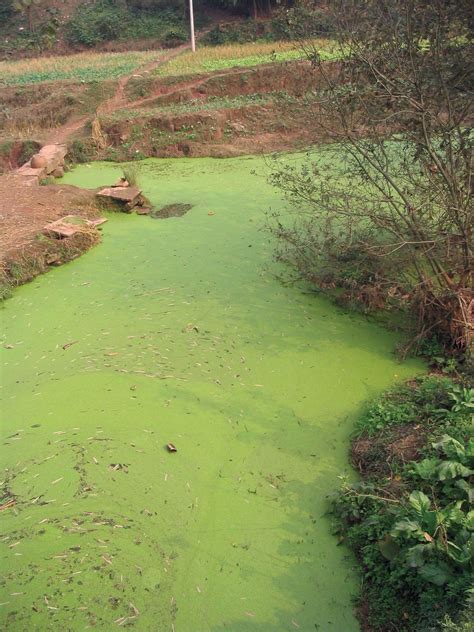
x,y
415,540
432,350
407,404
79,151
103,21
6,11
466,620
462,398
302,22
240,33
95,23
287,24
29,148
211,59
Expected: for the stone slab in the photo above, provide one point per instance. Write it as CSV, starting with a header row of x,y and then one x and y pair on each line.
x,y
71,224
54,156
129,197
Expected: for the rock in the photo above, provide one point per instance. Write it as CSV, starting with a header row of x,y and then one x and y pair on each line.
x,y
54,155
70,225
38,162
58,172
237,127
44,163
128,197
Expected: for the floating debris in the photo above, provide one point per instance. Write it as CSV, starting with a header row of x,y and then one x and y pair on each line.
x,y
69,344
171,447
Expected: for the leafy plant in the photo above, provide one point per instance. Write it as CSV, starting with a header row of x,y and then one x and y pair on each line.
x,y
463,398
104,20
414,532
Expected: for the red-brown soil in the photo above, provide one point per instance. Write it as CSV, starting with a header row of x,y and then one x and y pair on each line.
x,y
24,211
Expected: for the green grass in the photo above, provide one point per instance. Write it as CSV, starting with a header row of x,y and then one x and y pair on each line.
x,y
215,58
85,67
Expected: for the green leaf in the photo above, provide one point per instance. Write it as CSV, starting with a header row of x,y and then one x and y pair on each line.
x,y
452,469
416,555
437,573
465,487
470,448
461,555
419,502
426,469
406,527
469,523
450,446
451,514
388,547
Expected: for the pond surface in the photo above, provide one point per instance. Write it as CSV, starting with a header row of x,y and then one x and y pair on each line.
x,y
177,331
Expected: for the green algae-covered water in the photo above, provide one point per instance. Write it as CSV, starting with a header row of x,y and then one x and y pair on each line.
x,y
176,331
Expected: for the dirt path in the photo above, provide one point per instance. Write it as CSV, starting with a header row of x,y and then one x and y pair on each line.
x,y
61,134
182,87
118,100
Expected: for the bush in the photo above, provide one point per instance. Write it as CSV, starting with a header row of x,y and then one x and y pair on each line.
x,y
413,530
240,33
96,23
302,22
6,11
104,21
80,151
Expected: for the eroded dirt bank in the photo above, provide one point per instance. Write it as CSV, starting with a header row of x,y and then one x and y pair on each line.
x,y
25,251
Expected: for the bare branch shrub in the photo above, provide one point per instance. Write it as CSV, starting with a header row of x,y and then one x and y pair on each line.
x,y
386,211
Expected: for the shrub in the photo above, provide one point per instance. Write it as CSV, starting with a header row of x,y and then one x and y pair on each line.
x,y
240,33
103,21
80,151
6,11
96,23
302,22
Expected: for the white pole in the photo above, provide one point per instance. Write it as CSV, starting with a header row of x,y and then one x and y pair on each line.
x,y
191,19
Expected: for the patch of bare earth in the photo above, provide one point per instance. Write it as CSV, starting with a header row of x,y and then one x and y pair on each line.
x,y
25,251
391,447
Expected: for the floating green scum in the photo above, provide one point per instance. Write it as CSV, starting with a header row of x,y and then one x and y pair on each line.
x,y
177,332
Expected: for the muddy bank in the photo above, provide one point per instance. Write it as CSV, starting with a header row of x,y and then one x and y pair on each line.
x,y
26,251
